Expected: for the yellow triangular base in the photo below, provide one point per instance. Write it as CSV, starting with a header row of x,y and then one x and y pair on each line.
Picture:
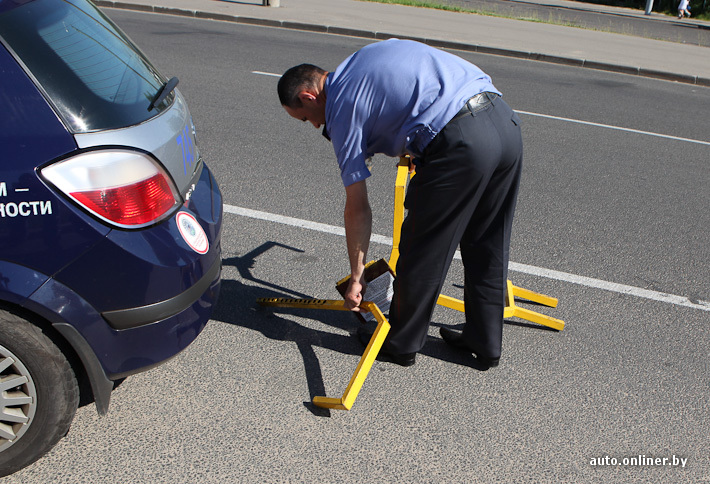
x,y
404,173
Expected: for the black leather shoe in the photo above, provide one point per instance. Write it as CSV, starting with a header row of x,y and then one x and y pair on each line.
x,y
404,359
455,339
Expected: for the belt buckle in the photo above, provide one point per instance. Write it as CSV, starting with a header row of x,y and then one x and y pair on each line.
x,y
478,102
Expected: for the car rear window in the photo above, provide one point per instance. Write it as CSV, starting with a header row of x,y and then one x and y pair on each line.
x,y
89,70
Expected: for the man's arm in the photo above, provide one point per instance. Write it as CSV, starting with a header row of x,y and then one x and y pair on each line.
x,y
358,228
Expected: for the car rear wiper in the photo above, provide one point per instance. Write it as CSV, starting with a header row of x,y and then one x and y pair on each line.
x,y
163,92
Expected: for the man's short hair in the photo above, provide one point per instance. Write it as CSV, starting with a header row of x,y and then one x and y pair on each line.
x,y
295,80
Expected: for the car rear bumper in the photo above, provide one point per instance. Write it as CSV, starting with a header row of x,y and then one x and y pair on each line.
x,y
151,313
140,297
144,347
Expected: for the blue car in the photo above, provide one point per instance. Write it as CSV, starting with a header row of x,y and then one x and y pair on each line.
x,y
110,221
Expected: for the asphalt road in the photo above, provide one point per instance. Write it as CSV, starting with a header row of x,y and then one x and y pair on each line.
x,y
627,377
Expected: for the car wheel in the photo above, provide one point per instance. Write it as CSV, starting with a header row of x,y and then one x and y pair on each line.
x,y
39,393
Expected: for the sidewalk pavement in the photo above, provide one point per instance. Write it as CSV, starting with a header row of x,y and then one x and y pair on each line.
x,y
583,6
523,39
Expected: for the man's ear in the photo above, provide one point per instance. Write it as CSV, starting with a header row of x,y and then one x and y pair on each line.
x,y
306,96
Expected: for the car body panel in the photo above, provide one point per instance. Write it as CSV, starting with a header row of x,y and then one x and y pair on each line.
x,y
31,215
18,282
122,353
124,299
148,265
170,138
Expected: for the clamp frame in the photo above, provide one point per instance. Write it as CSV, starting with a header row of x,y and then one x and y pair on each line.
x,y
404,174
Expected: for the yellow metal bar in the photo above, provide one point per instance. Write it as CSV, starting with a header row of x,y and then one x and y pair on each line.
x,y
534,296
509,295
364,365
538,318
511,309
400,189
450,302
368,357
302,303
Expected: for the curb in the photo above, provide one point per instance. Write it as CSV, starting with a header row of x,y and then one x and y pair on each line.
x,y
481,49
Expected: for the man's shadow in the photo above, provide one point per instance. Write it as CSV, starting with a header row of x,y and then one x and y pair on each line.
x,y
237,305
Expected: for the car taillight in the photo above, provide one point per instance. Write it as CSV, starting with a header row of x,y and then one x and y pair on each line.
x,y
123,187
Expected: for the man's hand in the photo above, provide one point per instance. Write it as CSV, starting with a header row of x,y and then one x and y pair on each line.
x,y
411,164
354,294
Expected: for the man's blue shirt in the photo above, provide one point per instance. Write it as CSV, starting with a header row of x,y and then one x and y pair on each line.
x,y
393,97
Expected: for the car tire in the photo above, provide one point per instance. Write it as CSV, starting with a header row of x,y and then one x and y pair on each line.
x,y
39,393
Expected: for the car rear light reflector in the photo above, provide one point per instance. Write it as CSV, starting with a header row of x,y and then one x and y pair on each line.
x,y
126,188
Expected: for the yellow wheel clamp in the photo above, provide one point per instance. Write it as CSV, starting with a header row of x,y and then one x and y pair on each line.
x,y
368,357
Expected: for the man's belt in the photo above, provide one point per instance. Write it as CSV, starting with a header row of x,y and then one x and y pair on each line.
x,y
476,103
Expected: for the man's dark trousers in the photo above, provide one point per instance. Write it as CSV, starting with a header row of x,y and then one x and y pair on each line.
x,y
464,193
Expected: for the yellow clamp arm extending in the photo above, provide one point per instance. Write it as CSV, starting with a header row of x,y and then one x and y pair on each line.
x,y
285,302
400,189
368,357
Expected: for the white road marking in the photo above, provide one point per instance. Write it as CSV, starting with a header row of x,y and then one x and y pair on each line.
x,y
266,74
618,128
514,266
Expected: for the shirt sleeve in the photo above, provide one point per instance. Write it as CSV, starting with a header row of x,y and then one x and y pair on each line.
x,y
351,153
